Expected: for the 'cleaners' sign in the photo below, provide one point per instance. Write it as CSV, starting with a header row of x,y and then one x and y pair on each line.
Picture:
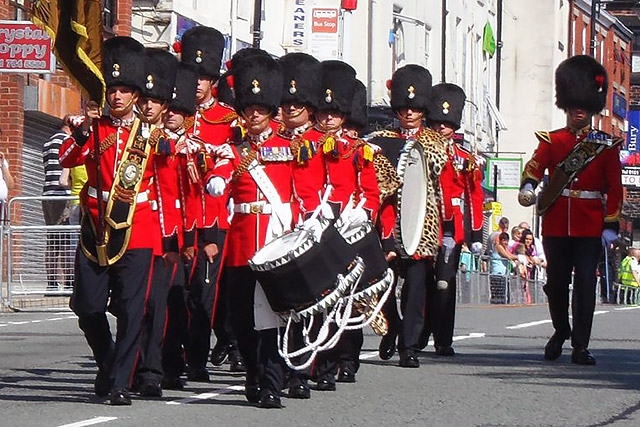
x,y
24,48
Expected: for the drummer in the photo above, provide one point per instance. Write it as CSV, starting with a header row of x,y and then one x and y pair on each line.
x,y
262,190
355,193
460,182
299,101
410,88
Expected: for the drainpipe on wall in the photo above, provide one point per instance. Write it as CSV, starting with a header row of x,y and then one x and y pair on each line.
x,y
443,42
498,54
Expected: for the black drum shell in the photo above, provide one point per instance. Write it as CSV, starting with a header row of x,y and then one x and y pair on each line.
x,y
370,250
305,280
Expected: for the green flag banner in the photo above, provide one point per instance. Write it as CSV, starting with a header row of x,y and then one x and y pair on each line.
x,y
488,41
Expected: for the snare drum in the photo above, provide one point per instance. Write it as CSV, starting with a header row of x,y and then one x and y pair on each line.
x,y
365,242
296,271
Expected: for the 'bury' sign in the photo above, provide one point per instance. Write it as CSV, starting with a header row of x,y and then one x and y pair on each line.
x,y
24,48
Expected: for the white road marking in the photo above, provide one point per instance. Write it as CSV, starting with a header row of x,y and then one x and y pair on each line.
x,y
29,322
92,421
205,396
372,354
635,307
528,324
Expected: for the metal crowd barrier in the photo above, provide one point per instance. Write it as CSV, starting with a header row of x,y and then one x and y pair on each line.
x,y
476,285
36,260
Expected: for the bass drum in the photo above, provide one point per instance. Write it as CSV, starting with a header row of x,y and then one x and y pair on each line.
x,y
412,197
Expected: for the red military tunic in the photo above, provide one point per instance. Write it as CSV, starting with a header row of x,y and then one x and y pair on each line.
x,y
213,125
248,231
309,174
144,227
167,192
350,171
571,216
461,182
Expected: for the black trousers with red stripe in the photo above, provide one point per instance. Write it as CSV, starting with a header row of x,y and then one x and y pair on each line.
x,y
123,286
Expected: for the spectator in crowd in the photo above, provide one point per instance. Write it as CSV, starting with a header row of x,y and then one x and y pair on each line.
x,y
629,273
6,183
76,179
58,257
492,240
516,233
500,267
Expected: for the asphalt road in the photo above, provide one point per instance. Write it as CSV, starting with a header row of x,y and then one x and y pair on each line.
x,y
498,378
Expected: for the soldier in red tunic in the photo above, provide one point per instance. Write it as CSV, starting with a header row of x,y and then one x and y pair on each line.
x,y
156,91
114,256
410,97
262,190
202,48
462,193
580,204
301,84
177,121
351,174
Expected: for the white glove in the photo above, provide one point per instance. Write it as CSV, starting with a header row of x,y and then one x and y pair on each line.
x,y
357,216
216,186
315,227
75,121
526,196
608,236
476,248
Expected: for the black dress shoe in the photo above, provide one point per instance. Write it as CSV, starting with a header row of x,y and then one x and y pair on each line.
x,y
346,377
102,383
198,375
408,359
172,383
252,393
299,391
553,349
387,347
270,401
582,356
236,364
219,354
150,389
120,397
445,350
325,384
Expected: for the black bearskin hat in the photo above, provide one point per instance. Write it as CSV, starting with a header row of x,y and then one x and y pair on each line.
x,y
257,81
225,90
203,47
301,78
358,117
243,54
581,82
160,68
337,86
410,87
447,103
121,62
184,91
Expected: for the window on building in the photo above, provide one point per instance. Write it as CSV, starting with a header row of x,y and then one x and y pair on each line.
x,y
109,14
19,8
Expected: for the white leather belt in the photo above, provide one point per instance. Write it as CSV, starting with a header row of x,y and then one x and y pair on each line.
x,y
456,201
252,208
92,192
581,194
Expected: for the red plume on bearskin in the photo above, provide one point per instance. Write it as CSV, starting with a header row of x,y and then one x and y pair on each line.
x,y
389,84
600,82
230,81
177,46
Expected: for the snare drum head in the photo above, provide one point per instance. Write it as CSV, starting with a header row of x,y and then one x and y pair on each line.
x,y
280,247
412,197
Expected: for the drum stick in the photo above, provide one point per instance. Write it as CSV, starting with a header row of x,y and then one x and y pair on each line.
x,y
206,273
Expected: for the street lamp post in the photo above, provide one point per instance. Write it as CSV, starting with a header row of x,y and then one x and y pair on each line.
x,y
257,21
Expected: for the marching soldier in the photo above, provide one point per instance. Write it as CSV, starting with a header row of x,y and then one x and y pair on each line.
x,y
157,91
461,186
115,252
262,191
206,223
410,88
350,171
580,205
299,101
178,120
